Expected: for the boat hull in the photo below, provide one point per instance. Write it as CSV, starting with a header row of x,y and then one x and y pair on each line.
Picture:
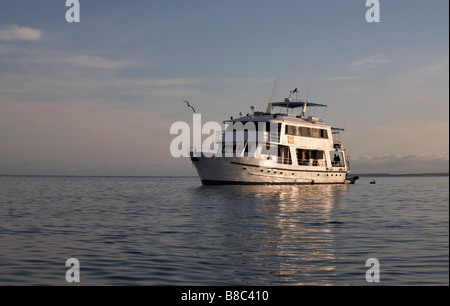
x,y
249,171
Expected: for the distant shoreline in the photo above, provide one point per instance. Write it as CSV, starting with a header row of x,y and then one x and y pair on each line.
x,y
99,175
400,175
188,176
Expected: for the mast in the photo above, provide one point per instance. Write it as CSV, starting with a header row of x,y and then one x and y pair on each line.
x,y
304,109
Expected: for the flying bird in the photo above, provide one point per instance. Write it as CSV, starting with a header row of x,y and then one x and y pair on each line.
x,y
189,105
295,90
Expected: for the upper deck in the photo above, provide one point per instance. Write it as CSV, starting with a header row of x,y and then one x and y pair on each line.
x,y
291,110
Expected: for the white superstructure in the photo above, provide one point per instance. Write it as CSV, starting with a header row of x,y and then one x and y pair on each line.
x,y
284,145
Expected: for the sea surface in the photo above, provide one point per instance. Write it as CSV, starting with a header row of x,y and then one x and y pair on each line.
x,y
173,231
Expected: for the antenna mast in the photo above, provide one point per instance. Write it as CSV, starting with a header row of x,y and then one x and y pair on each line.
x,y
273,95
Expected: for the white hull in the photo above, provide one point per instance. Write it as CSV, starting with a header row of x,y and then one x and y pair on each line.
x,y
245,170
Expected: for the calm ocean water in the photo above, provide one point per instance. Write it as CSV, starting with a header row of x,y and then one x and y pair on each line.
x,y
173,231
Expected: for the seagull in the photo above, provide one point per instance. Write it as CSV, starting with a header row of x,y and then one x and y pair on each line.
x,y
189,105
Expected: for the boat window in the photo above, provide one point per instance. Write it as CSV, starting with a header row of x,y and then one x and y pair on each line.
x,y
315,154
310,157
291,130
284,155
337,159
306,132
314,133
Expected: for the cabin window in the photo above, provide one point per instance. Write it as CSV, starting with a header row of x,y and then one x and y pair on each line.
x,y
306,132
284,155
309,157
302,157
315,154
337,159
315,133
292,130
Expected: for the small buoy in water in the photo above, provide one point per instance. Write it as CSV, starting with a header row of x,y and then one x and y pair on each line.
x,y
373,182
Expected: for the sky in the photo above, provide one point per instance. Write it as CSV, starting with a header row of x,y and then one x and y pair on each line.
x,y
98,97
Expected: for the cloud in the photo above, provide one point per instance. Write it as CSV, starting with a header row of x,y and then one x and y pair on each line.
x,y
412,135
435,68
247,80
353,89
397,135
369,62
427,162
341,78
159,82
77,61
15,33
90,61
165,82
419,74
4,49
85,138
81,132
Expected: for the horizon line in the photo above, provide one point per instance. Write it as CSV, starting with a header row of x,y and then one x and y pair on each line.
x,y
194,176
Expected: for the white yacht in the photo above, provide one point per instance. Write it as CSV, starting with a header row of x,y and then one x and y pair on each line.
x,y
286,144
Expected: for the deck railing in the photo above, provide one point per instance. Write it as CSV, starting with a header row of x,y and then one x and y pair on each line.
x,y
312,162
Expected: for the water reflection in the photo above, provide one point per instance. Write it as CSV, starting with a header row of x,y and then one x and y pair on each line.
x,y
277,234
